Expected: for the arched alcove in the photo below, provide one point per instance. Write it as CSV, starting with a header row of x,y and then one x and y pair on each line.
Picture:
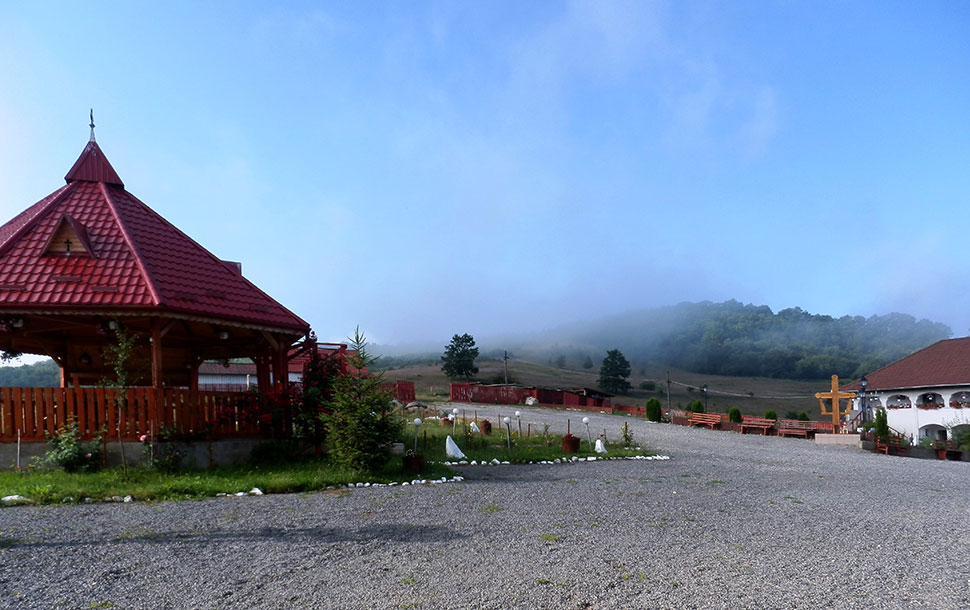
x,y
933,431
899,401
930,400
960,400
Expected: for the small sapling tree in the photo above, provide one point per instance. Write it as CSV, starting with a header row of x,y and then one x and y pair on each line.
x,y
120,358
654,410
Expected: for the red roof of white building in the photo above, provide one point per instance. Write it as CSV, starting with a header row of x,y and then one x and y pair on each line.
x,y
92,245
945,363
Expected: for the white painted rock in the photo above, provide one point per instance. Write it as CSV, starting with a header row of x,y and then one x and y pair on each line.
x,y
14,499
495,461
600,447
474,428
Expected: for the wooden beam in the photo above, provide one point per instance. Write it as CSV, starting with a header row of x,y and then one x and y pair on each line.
x,y
168,327
271,340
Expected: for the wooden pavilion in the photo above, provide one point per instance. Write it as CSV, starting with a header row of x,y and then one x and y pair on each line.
x,y
90,259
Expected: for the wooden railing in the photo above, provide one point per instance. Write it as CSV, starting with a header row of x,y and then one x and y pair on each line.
x,y
33,414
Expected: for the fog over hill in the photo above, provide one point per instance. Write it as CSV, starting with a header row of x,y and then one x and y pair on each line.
x,y
729,338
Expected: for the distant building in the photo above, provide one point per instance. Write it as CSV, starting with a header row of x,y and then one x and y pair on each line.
x,y
926,394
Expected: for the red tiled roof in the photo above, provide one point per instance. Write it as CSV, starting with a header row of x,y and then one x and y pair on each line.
x,y
138,259
93,166
944,363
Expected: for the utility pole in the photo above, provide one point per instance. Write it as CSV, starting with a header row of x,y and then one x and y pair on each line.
x,y
506,358
668,391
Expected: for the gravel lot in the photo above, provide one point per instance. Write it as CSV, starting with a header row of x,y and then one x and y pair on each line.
x,y
727,522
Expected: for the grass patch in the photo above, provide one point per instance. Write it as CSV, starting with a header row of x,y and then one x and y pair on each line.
x,y
491,508
484,448
549,537
52,486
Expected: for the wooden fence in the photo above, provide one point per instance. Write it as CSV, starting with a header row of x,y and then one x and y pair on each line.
x,y
32,414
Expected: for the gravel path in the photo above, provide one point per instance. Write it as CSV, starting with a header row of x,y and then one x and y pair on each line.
x,y
727,522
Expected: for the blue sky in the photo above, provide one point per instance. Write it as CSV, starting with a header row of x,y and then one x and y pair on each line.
x,y
425,169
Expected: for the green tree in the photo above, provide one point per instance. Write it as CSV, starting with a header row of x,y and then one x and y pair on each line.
x,y
459,357
614,373
696,406
587,362
360,425
654,411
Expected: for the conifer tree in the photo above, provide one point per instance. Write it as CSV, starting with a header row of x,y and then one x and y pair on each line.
x,y
614,373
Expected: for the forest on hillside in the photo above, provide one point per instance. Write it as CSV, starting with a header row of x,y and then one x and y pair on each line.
x,y
44,374
732,338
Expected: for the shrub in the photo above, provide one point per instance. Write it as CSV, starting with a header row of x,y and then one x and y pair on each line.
x,y
66,450
654,411
734,415
696,407
962,439
802,416
649,386
881,427
770,414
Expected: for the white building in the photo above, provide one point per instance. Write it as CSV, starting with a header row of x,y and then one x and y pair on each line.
x,y
925,394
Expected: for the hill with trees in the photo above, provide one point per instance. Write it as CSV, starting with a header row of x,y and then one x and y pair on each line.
x,y
44,374
736,339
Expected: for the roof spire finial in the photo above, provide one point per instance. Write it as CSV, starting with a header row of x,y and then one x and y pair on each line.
x,y
92,126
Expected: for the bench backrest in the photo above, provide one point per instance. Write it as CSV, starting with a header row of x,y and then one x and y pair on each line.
x,y
796,424
711,417
757,420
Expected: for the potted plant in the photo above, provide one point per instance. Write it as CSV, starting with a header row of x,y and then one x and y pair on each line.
x,y
413,462
486,427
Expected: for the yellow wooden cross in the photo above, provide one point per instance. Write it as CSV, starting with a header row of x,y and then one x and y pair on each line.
x,y
834,396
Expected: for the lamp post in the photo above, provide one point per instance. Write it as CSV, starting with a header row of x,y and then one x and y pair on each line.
x,y
589,438
454,421
518,418
508,431
704,389
863,403
417,424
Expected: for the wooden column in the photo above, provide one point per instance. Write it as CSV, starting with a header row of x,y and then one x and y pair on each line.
x,y
262,372
194,374
281,375
157,381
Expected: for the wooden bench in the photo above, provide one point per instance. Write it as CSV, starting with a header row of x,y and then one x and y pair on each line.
x,y
895,444
794,427
757,423
704,419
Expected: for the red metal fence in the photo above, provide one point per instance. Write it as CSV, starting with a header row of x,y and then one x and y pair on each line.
x,y
403,390
513,395
37,412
